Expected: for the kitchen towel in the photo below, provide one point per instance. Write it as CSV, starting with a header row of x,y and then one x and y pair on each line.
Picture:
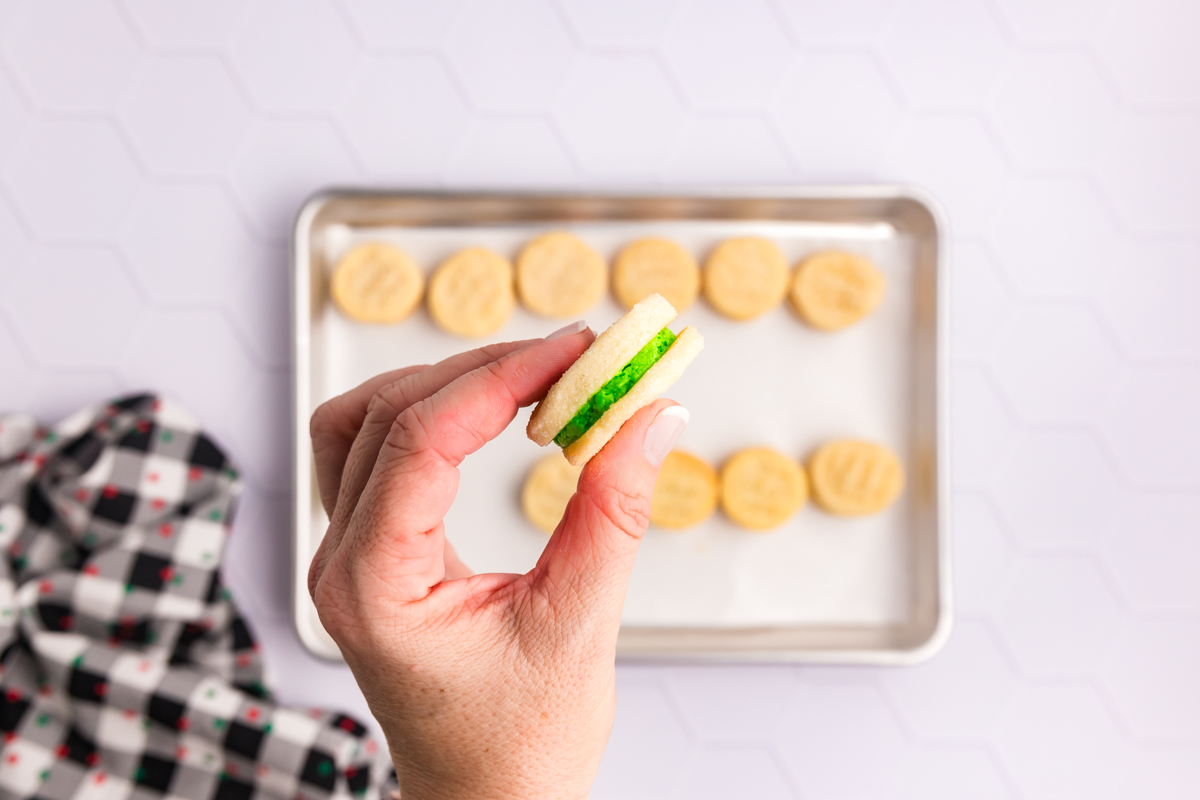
x,y
125,667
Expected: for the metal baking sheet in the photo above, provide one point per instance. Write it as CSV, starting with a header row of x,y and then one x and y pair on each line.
x,y
819,588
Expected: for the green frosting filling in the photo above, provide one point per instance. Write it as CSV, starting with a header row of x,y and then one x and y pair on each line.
x,y
616,388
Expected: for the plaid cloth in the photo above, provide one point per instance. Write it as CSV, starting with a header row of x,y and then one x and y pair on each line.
x,y
125,668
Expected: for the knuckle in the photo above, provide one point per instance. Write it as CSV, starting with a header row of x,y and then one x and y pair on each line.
x,y
628,511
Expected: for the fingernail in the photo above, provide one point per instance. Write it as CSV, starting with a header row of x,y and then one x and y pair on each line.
x,y
567,330
664,432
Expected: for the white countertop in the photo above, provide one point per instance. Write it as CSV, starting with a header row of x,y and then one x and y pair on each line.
x,y
152,156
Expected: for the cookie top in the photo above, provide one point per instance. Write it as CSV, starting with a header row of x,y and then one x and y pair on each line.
x,y
762,488
377,283
548,488
655,266
559,275
834,289
685,493
852,477
745,277
471,292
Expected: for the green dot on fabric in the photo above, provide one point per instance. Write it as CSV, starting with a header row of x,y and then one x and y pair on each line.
x,y
167,436
42,720
215,514
325,768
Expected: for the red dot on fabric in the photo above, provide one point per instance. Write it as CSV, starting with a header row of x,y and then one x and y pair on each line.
x,y
130,713
183,724
91,569
12,695
101,689
10,736
165,530
262,770
62,751
152,477
66,622
100,776
194,474
143,426
81,495
252,713
243,660
93,759
347,724
39,460
143,666
231,768
157,503
370,748
12,758
166,573
45,587
110,491
156,405
180,753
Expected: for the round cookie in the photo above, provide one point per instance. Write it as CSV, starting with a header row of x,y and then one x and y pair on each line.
x,y
853,478
833,289
761,488
471,292
685,492
377,283
548,487
655,266
745,277
559,275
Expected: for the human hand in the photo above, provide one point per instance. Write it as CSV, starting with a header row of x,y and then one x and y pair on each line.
x,y
492,685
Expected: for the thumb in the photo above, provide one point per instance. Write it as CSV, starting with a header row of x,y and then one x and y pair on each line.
x,y
597,540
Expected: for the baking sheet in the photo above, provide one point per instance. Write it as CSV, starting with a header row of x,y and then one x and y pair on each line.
x,y
773,381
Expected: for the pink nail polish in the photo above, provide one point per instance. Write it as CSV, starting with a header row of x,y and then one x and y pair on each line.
x,y
567,330
664,432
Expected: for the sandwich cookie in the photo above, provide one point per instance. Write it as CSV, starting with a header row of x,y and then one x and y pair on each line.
x,y
630,364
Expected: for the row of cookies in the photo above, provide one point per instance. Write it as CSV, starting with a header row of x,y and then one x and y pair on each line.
x,y
758,488
473,292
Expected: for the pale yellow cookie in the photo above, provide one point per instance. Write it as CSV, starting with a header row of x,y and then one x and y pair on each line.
x,y
685,492
832,289
377,283
761,488
471,292
559,275
655,266
548,488
745,277
851,478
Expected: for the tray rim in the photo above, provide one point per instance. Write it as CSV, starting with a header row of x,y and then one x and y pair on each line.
x,y
300,289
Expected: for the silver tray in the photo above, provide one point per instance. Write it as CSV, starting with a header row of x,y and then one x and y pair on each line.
x,y
820,589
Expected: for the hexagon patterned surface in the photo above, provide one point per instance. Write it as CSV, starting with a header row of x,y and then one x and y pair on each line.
x,y
152,158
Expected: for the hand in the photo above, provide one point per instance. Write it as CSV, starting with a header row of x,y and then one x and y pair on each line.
x,y
493,685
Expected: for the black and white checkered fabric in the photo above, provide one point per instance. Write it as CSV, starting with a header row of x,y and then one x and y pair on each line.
x,y
126,668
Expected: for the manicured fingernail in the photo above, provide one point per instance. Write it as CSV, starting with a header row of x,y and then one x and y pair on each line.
x,y
567,330
664,432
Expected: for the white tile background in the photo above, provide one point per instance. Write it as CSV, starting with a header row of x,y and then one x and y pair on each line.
x,y
152,155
